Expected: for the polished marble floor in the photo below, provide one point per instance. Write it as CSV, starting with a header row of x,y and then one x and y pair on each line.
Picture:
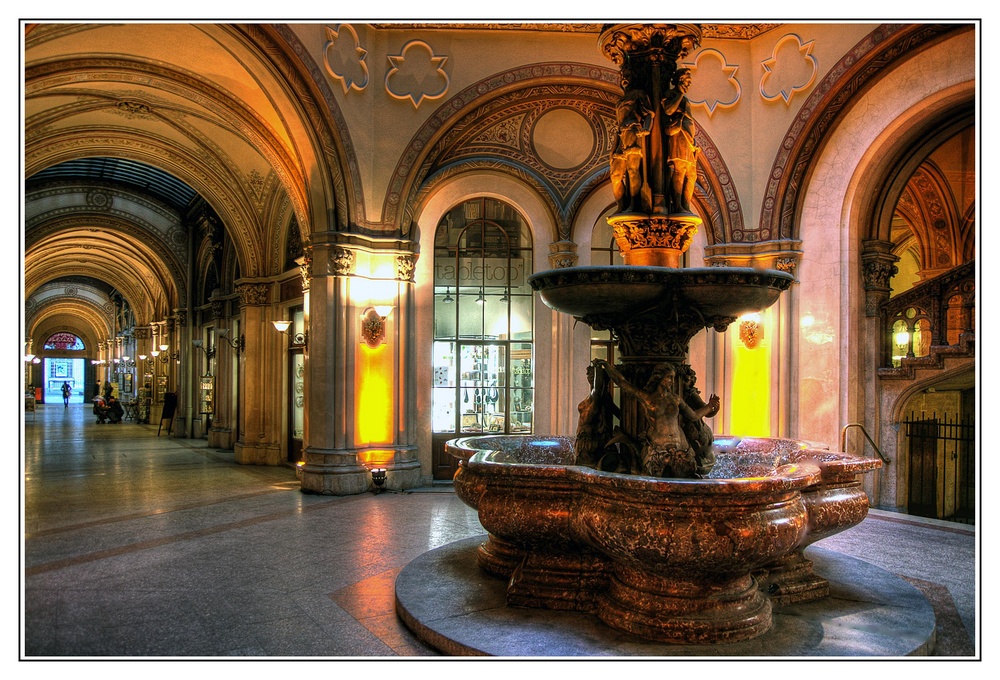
x,y
144,546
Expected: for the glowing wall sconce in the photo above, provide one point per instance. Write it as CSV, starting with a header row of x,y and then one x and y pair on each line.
x,y
239,343
298,339
373,325
751,330
166,356
901,338
378,479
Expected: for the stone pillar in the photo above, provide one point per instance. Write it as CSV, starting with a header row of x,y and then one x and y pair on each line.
x,y
404,471
260,386
220,434
331,466
878,266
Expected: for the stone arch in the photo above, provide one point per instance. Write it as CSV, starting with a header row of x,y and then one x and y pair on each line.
x,y
832,99
864,152
488,126
293,138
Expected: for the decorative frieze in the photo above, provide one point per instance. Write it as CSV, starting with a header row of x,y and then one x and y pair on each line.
x,y
252,294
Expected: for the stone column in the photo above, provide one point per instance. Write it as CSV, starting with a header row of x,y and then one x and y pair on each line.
x,y
878,266
404,471
260,386
331,467
568,349
220,434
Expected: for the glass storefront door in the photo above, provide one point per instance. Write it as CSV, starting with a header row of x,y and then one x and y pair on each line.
x,y
483,319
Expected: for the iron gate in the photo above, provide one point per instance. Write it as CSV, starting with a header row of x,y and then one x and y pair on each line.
x,y
942,467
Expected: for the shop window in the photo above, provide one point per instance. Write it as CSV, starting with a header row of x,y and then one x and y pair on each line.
x,y
483,356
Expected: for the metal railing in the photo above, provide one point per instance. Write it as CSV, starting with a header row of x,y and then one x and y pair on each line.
x,y
843,440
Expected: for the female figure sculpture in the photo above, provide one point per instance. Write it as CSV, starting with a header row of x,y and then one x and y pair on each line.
x,y
596,425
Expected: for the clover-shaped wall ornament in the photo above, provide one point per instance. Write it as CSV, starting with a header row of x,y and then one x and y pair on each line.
x,y
345,58
791,68
417,74
716,85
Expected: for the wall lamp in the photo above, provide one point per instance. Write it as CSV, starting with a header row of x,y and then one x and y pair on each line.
x,y
210,352
373,325
298,339
239,343
165,356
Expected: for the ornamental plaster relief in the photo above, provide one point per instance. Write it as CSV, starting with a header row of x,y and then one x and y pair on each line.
x,y
344,58
416,74
713,83
790,69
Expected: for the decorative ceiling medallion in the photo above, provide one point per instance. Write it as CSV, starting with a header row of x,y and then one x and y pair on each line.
x,y
563,139
791,68
417,74
344,57
98,199
716,85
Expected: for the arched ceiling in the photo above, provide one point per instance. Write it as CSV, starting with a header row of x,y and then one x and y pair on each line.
x,y
169,112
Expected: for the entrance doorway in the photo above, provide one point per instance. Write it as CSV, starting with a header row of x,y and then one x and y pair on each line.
x,y
57,371
483,362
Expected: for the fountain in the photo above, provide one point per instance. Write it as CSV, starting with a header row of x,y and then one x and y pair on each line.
x,y
657,526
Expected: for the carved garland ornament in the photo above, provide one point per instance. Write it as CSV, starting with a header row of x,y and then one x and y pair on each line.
x,y
252,293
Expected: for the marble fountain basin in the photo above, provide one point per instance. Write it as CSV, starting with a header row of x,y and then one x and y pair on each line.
x,y
687,561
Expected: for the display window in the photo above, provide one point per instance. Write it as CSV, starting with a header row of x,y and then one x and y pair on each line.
x,y
483,353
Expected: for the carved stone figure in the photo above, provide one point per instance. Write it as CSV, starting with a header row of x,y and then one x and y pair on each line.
x,y
664,449
699,435
596,426
682,154
628,167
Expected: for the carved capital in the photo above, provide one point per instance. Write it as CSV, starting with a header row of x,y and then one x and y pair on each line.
x,y
142,333
786,264
305,270
405,266
252,293
877,269
658,241
341,261
563,254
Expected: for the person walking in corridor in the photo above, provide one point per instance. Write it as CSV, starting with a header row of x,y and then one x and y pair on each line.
x,y
66,392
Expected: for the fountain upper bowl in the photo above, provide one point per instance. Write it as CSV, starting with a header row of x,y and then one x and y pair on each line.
x,y
624,290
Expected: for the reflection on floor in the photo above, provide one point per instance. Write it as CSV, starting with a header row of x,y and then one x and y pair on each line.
x,y
144,546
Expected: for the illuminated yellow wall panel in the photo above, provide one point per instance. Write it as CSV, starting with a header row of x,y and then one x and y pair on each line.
x,y
750,410
373,396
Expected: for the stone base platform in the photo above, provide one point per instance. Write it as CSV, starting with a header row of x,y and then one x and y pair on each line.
x,y
450,604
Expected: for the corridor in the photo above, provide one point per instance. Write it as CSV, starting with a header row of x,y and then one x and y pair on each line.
x,y
138,545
